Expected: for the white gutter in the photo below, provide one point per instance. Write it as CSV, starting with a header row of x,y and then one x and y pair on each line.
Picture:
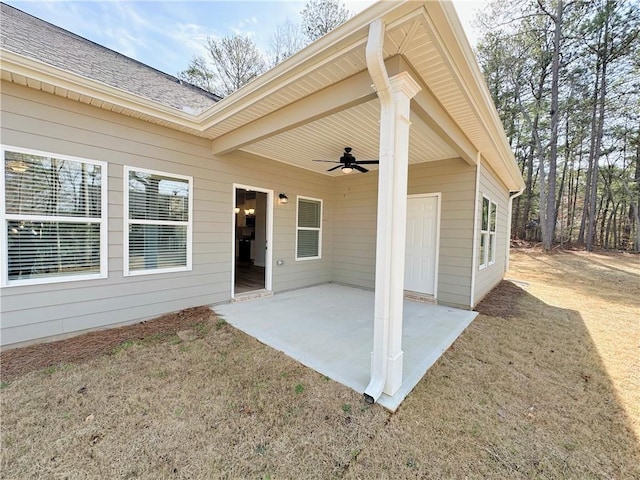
x,y
474,253
380,78
509,215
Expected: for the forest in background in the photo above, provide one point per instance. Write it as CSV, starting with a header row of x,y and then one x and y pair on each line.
x,y
565,78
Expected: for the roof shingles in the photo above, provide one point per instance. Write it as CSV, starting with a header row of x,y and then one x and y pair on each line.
x,y
31,37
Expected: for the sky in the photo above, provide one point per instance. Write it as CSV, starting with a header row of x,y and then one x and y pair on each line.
x,y
167,34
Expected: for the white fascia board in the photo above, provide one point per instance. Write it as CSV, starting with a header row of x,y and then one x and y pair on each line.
x,y
449,34
348,36
45,73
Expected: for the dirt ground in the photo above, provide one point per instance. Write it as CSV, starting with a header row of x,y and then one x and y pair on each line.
x,y
545,383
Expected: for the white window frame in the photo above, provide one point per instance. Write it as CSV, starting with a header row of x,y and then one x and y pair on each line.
x,y
127,222
318,229
488,235
4,216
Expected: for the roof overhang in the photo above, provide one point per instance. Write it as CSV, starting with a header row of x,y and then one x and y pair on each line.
x,y
320,100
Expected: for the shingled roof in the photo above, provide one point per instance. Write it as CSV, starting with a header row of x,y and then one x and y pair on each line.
x,y
31,37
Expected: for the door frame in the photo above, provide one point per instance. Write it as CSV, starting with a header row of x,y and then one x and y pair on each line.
x,y
268,235
438,197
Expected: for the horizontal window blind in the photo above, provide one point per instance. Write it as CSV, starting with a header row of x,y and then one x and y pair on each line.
x,y
157,246
44,249
308,243
159,221
53,216
37,185
309,228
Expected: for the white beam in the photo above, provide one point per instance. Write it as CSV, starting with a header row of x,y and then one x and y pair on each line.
x,y
432,113
436,117
347,93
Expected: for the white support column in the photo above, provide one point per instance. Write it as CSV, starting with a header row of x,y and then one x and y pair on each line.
x,y
403,88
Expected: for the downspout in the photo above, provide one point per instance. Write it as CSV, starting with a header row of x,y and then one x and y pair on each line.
x,y
380,78
474,252
509,215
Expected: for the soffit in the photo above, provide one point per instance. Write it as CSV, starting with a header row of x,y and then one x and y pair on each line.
x,y
357,127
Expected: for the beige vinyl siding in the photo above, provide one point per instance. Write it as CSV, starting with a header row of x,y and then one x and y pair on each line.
x,y
355,200
40,121
491,187
455,179
354,223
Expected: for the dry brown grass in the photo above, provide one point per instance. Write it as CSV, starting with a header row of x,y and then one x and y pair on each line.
x,y
543,384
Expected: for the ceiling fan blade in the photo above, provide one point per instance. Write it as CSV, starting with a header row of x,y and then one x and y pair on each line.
x,y
334,168
368,162
328,161
359,168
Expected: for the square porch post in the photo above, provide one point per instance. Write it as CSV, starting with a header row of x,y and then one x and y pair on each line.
x,y
403,89
387,356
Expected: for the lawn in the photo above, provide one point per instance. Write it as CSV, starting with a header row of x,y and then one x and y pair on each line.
x,y
545,383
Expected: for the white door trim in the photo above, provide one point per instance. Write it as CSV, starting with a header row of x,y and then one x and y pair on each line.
x,y
269,235
438,196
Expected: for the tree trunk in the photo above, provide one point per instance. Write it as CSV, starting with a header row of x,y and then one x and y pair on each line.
x,y
589,178
636,204
548,232
604,53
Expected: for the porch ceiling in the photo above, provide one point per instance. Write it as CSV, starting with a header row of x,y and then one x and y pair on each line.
x,y
356,127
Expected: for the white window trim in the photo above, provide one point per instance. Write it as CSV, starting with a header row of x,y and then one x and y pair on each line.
x,y
319,230
125,215
102,221
490,235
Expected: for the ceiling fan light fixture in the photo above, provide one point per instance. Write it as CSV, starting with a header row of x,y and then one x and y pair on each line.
x,y
17,166
347,170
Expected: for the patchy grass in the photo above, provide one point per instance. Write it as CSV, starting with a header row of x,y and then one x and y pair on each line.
x,y
544,384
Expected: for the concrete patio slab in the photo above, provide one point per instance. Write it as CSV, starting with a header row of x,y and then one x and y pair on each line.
x,y
329,328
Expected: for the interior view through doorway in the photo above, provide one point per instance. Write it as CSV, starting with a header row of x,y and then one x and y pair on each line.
x,y
251,208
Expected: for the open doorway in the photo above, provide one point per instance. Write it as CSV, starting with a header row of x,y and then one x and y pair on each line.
x,y
251,240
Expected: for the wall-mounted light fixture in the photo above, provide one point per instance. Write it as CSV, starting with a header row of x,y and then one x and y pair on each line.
x,y
283,199
236,210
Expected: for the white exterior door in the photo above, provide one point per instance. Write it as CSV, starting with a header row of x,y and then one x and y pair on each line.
x,y
422,244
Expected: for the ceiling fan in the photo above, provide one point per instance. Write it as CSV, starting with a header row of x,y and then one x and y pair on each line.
x,y
348,162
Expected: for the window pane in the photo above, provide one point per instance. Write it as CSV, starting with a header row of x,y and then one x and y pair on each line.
x,y
156,197
483,242
308,213
157,246
38,185
492,247
308,243
493,217
52,249
485,214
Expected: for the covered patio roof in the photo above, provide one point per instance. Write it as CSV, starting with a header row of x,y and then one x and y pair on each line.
x,y
321,99
329,329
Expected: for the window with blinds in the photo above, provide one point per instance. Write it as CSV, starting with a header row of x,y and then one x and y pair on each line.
x,y
487,252
309,229
158,222
54,217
